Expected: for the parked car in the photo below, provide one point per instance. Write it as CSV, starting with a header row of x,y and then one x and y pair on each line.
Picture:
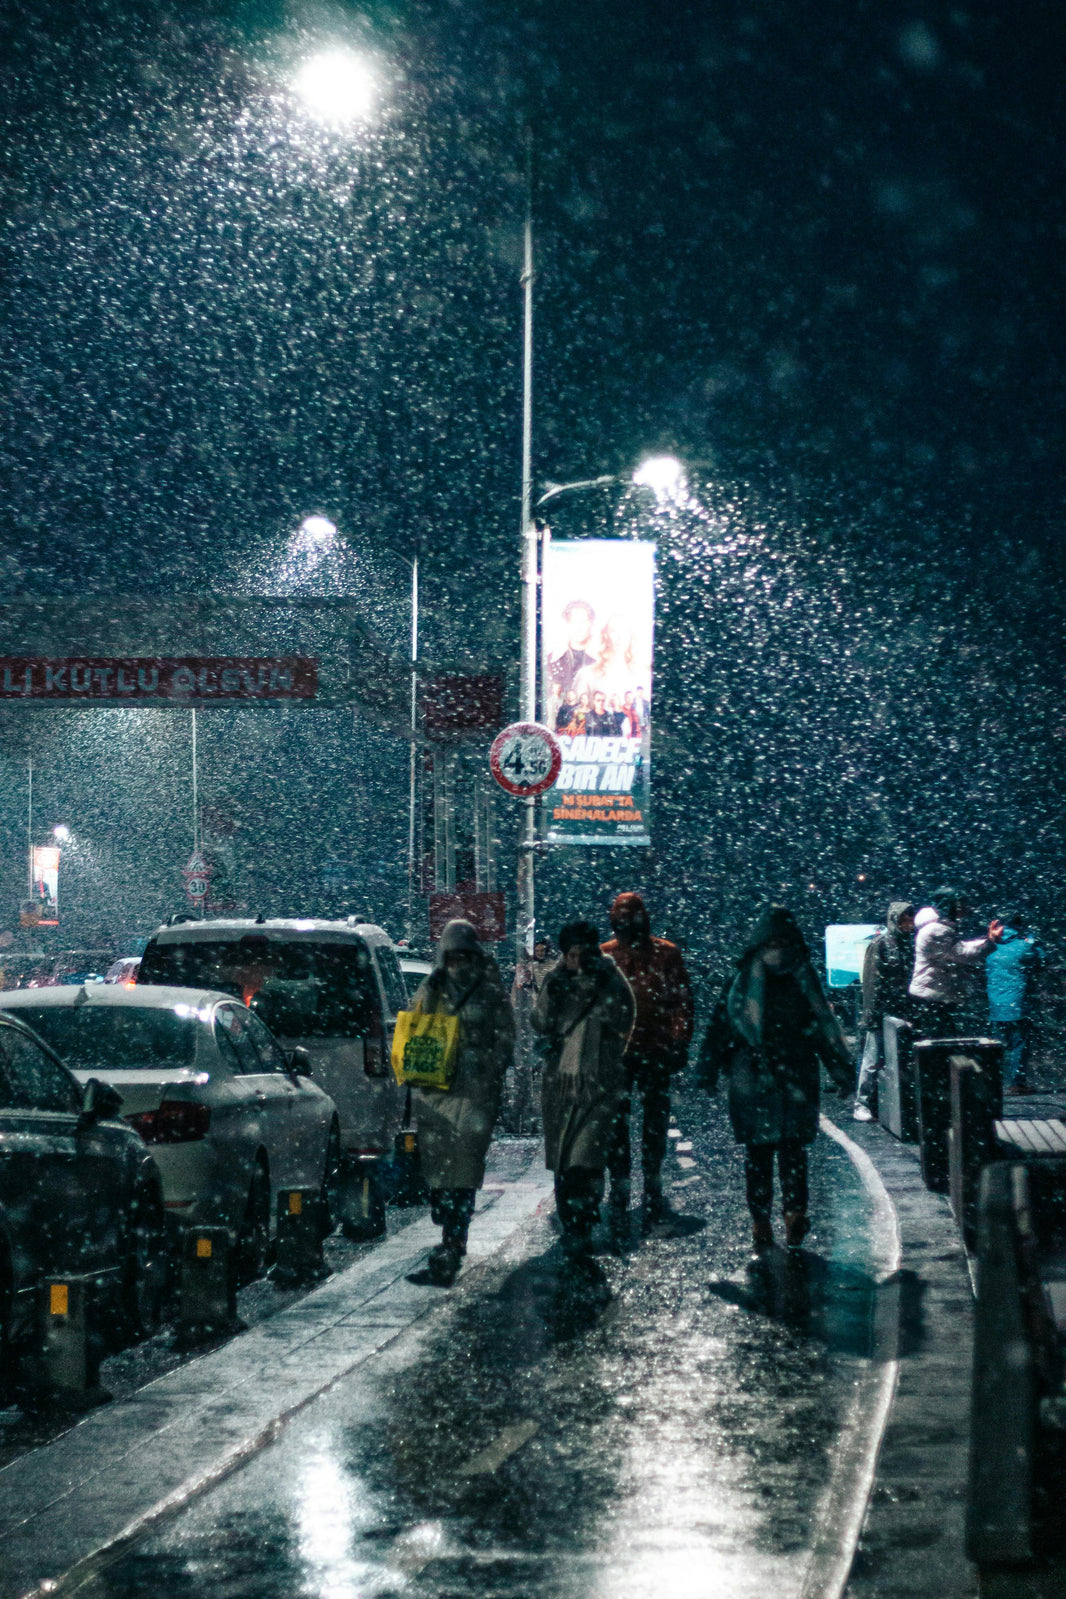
x,y
72,966
415,971
229,1117
332,988
79,1194
124,970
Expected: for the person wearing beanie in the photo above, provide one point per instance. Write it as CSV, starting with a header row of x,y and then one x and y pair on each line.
x,y
584,1013
943,960
770,1032
455,1124
657,1048
886,971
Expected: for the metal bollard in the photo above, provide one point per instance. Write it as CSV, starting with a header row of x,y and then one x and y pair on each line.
x,y
208,1304
67,1368
299,1258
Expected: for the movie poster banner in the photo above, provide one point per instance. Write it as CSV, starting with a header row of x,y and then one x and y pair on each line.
x,y
598,618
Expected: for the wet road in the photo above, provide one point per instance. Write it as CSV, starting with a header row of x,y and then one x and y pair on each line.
x,y
670,1425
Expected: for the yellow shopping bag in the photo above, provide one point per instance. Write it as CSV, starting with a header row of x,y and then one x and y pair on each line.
x,y
424,1048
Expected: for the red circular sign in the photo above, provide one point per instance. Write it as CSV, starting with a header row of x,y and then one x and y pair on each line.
x,y
525,759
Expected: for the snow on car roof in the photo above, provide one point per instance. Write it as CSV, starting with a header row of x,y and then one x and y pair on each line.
x,y
273,927
144,997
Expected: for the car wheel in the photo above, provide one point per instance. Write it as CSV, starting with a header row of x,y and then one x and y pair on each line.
x,y
331,1181
145,1276
253,1240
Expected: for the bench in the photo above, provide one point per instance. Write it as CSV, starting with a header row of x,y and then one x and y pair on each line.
x,y
1022,1139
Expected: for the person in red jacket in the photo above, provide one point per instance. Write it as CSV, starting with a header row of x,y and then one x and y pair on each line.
x,y
658,1047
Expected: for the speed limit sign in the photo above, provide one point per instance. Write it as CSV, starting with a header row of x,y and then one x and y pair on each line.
x,y
525,759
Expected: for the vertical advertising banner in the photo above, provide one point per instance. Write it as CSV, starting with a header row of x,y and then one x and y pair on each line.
x,y
598,618
43,909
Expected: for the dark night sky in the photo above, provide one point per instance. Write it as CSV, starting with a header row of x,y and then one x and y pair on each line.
x,y
816,251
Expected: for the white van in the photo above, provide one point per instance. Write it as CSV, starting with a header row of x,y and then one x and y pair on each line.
x,y
331,987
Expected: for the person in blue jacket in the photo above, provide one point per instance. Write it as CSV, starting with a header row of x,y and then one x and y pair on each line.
x,y
1009,972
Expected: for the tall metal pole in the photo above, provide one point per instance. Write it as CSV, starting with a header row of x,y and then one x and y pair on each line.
x,y
528,681
412,774
195,790
29,822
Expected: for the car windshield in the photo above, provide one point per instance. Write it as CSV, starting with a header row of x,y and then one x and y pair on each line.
x,y
301,988
115,1038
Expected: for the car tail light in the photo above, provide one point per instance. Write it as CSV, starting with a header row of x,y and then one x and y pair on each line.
x,y
177,1121
375,1063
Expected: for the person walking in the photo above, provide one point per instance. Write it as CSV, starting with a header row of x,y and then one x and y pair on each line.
x,y
1009,971
657,1048
530,974
886,973
584,1012
770,1031
455,1124
943,960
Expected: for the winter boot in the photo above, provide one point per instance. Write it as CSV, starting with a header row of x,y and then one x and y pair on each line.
x,y
443,1264
655,1209
618,1217
762,1230
797,1226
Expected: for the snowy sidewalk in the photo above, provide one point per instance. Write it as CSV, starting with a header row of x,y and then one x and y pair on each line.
x,y
128,1463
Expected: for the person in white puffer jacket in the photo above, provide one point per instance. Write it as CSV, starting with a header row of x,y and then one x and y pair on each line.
x,y
942,959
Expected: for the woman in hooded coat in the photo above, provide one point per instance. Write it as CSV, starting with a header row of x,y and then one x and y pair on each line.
x,y
771,1030
584,1012
455,1124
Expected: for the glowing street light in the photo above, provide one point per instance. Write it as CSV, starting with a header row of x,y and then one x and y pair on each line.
x,y
664,475
61,834
337,87
315,533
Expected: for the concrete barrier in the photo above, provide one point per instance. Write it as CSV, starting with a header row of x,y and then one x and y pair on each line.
x,y
976,1103
933,1096
300,1260
64,1369
895,1088
207,1305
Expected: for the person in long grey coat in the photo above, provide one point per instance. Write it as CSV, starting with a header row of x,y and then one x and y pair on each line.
x,y
455,1124
584,1012
771,1030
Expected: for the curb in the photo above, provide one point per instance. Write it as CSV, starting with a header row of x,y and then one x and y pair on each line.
x,y
182,1434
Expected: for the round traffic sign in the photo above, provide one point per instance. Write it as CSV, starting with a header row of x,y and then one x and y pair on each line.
x,y
196,887
525,759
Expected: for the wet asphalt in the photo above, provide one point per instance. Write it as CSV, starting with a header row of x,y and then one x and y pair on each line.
x,y
665,1424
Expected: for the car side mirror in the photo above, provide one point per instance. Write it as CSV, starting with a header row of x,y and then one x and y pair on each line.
x,y
300,1061
100,1101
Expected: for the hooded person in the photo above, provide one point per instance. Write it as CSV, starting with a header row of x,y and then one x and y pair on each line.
x,y
886,972
771,1031
530,974
455,1124
1008,974
943,961
584,1013
657,1048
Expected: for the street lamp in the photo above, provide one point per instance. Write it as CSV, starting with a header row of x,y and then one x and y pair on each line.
x,y
664,475
337,87
315,533
61,833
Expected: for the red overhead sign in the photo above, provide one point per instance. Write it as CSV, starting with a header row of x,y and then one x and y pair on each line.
x,y
453,706
134,679
488,912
